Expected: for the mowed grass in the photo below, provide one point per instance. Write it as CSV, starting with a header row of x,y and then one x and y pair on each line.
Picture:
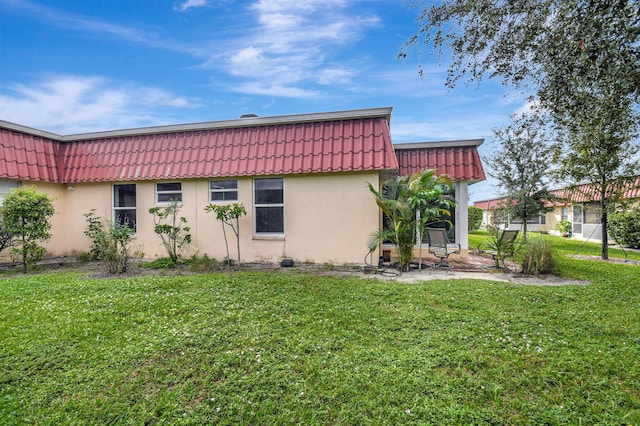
x,y
292,348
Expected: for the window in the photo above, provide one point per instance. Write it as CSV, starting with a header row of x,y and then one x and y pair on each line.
x,y
592,213
532,220
124,205
269,206
447,222
577,218
7,186
564,215
223,190
170,191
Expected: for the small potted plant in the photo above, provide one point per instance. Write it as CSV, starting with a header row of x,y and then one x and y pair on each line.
x,y
564,227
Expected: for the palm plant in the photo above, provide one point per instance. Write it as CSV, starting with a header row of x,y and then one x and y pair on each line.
x,y
409,204
425,196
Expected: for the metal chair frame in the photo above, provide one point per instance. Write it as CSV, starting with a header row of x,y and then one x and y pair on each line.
x,y
441,247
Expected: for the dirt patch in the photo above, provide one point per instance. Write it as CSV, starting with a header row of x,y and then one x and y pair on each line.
x,y
417,276
97,270
599,259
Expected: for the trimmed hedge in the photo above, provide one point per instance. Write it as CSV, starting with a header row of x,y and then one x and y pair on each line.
x,y
475,218
624,228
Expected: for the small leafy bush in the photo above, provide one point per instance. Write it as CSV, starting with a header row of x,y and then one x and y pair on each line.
x,y
564,227
538,258
624,228
229,215
85,257
162,263
6,239
111,243
171,228
26,218
202,264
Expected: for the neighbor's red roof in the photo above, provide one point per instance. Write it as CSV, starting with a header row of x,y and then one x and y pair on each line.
x,y
583,193
310,143
586,192
490,204
457,159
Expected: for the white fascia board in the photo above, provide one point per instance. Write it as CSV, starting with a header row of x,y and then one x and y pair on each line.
x,y
438,144
28,130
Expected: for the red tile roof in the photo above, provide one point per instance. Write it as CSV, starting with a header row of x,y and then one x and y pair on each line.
x,y
340,141
306,143
312,147
457,159
586,192
28,156
583,193
490,204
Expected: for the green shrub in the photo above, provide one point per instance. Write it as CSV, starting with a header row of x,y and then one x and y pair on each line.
x,y
203,264
111,243
85,257
26,222
171,229
475,218
162,263
6,239
564,227
538,258
624,228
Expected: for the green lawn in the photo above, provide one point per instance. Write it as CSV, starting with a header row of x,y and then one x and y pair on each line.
x,y
290,348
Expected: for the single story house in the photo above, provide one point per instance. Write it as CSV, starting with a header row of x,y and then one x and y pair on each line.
x,y
302,178
578,205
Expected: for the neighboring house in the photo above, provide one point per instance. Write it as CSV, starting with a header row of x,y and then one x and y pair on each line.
x,y
578,205
302,178
493,214
582,209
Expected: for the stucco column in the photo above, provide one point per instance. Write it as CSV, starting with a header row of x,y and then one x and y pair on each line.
x,y
462,214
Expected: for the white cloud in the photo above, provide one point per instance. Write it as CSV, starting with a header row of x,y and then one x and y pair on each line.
x,y
247,61
275,6
527,107
292,44
280,43
72,104
259,88
188,4
337,75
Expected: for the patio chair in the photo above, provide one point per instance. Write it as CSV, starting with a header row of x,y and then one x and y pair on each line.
x,y
504,247
440,246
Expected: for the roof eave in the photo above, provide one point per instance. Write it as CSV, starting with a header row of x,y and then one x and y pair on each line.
x,y
439,144
29,130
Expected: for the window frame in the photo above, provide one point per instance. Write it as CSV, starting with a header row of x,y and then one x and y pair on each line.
x,y
257,206
159,192
224,191
115,209
577,212
6,186
591,214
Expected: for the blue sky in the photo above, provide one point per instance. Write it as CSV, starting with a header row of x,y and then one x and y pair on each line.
x,y
70,66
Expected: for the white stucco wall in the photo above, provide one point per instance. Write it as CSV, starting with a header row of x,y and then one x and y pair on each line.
x,y
328,218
